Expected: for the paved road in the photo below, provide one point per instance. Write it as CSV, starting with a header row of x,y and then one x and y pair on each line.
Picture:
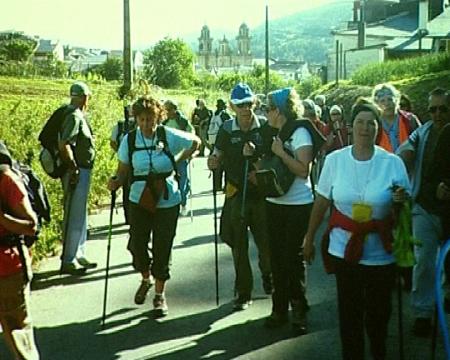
x,y
67,310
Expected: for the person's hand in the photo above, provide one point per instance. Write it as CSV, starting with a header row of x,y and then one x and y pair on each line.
x,y
399,195
309,250
443,191
249,149
213,162
113,183
252,177
277,146
74,176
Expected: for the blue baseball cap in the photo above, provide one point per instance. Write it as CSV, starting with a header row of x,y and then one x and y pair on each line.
x,y
242,94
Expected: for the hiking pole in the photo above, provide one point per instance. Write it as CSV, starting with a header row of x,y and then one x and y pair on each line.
x,y
216,242
400,316
113,203
244,190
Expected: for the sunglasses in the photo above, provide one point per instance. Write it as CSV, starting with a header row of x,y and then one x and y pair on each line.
x,y
441,108
244,105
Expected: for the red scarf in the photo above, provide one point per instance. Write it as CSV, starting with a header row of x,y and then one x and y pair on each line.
x,y
355,245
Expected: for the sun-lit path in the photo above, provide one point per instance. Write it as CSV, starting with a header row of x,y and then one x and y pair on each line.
x,y
67,310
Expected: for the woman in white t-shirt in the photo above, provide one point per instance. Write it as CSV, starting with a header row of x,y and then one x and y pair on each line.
x,y
288,214
361,182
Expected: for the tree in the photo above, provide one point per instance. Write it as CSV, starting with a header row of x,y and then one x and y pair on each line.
x,y
111,69
169,64
16,47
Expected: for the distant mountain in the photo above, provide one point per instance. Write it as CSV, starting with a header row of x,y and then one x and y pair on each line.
x,y
302,36
305,35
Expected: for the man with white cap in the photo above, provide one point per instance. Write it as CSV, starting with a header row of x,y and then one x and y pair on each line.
x,y
237,148
76,146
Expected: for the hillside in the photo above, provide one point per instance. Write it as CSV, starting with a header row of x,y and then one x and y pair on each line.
x,y
417,88
304,35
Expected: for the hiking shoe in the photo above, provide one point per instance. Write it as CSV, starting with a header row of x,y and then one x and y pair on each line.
x,y
267,284
422,327
242,303
184,211
85,263
141,293
72,269
275,320
298,318
160,308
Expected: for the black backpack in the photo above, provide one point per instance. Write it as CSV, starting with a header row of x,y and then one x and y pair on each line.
x,y
49,137
274,178
38,198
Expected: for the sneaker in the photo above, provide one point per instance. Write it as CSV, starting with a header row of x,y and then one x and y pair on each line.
x,y
160,308
267,284
184,211
85,263
422,327
242,303
72,269
275,320
141,293
298,318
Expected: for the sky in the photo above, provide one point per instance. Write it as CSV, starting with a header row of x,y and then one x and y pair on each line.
x,y
99,23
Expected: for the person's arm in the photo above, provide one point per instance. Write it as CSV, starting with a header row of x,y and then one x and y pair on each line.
x,y
118,180
69,133
186,154
300,164
20,219
321,205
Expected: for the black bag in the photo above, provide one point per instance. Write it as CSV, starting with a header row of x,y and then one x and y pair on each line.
x,y
36,194
49,137
274,178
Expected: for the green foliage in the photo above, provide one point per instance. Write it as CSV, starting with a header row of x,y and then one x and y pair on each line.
x,y
47,68
169,64
308,86
393,70
111,69
16,47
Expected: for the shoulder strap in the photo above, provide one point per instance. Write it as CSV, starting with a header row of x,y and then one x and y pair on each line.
x,y
120,128
317,138
162,137
131,142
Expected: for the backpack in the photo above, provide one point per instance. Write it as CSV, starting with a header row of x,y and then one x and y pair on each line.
x,y
161,135
38,198
49,137
124,127
216,122
274,178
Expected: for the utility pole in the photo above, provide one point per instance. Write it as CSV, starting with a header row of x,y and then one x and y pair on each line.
x,y
127,60
267,51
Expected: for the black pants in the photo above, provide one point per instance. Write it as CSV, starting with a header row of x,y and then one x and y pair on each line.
x,y
287,225
364,300
160,227
234,231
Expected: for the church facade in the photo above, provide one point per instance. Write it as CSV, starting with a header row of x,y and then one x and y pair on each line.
x,y
224,55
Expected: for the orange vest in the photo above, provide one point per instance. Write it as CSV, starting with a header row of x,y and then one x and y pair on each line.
x,y
404,129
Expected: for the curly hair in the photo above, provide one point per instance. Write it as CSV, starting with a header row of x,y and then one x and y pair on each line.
x,y
292,109
148,105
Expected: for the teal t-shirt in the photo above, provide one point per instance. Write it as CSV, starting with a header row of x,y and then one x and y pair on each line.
x,y
155,160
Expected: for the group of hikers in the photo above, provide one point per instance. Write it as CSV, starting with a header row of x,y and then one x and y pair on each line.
x,y
283,167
